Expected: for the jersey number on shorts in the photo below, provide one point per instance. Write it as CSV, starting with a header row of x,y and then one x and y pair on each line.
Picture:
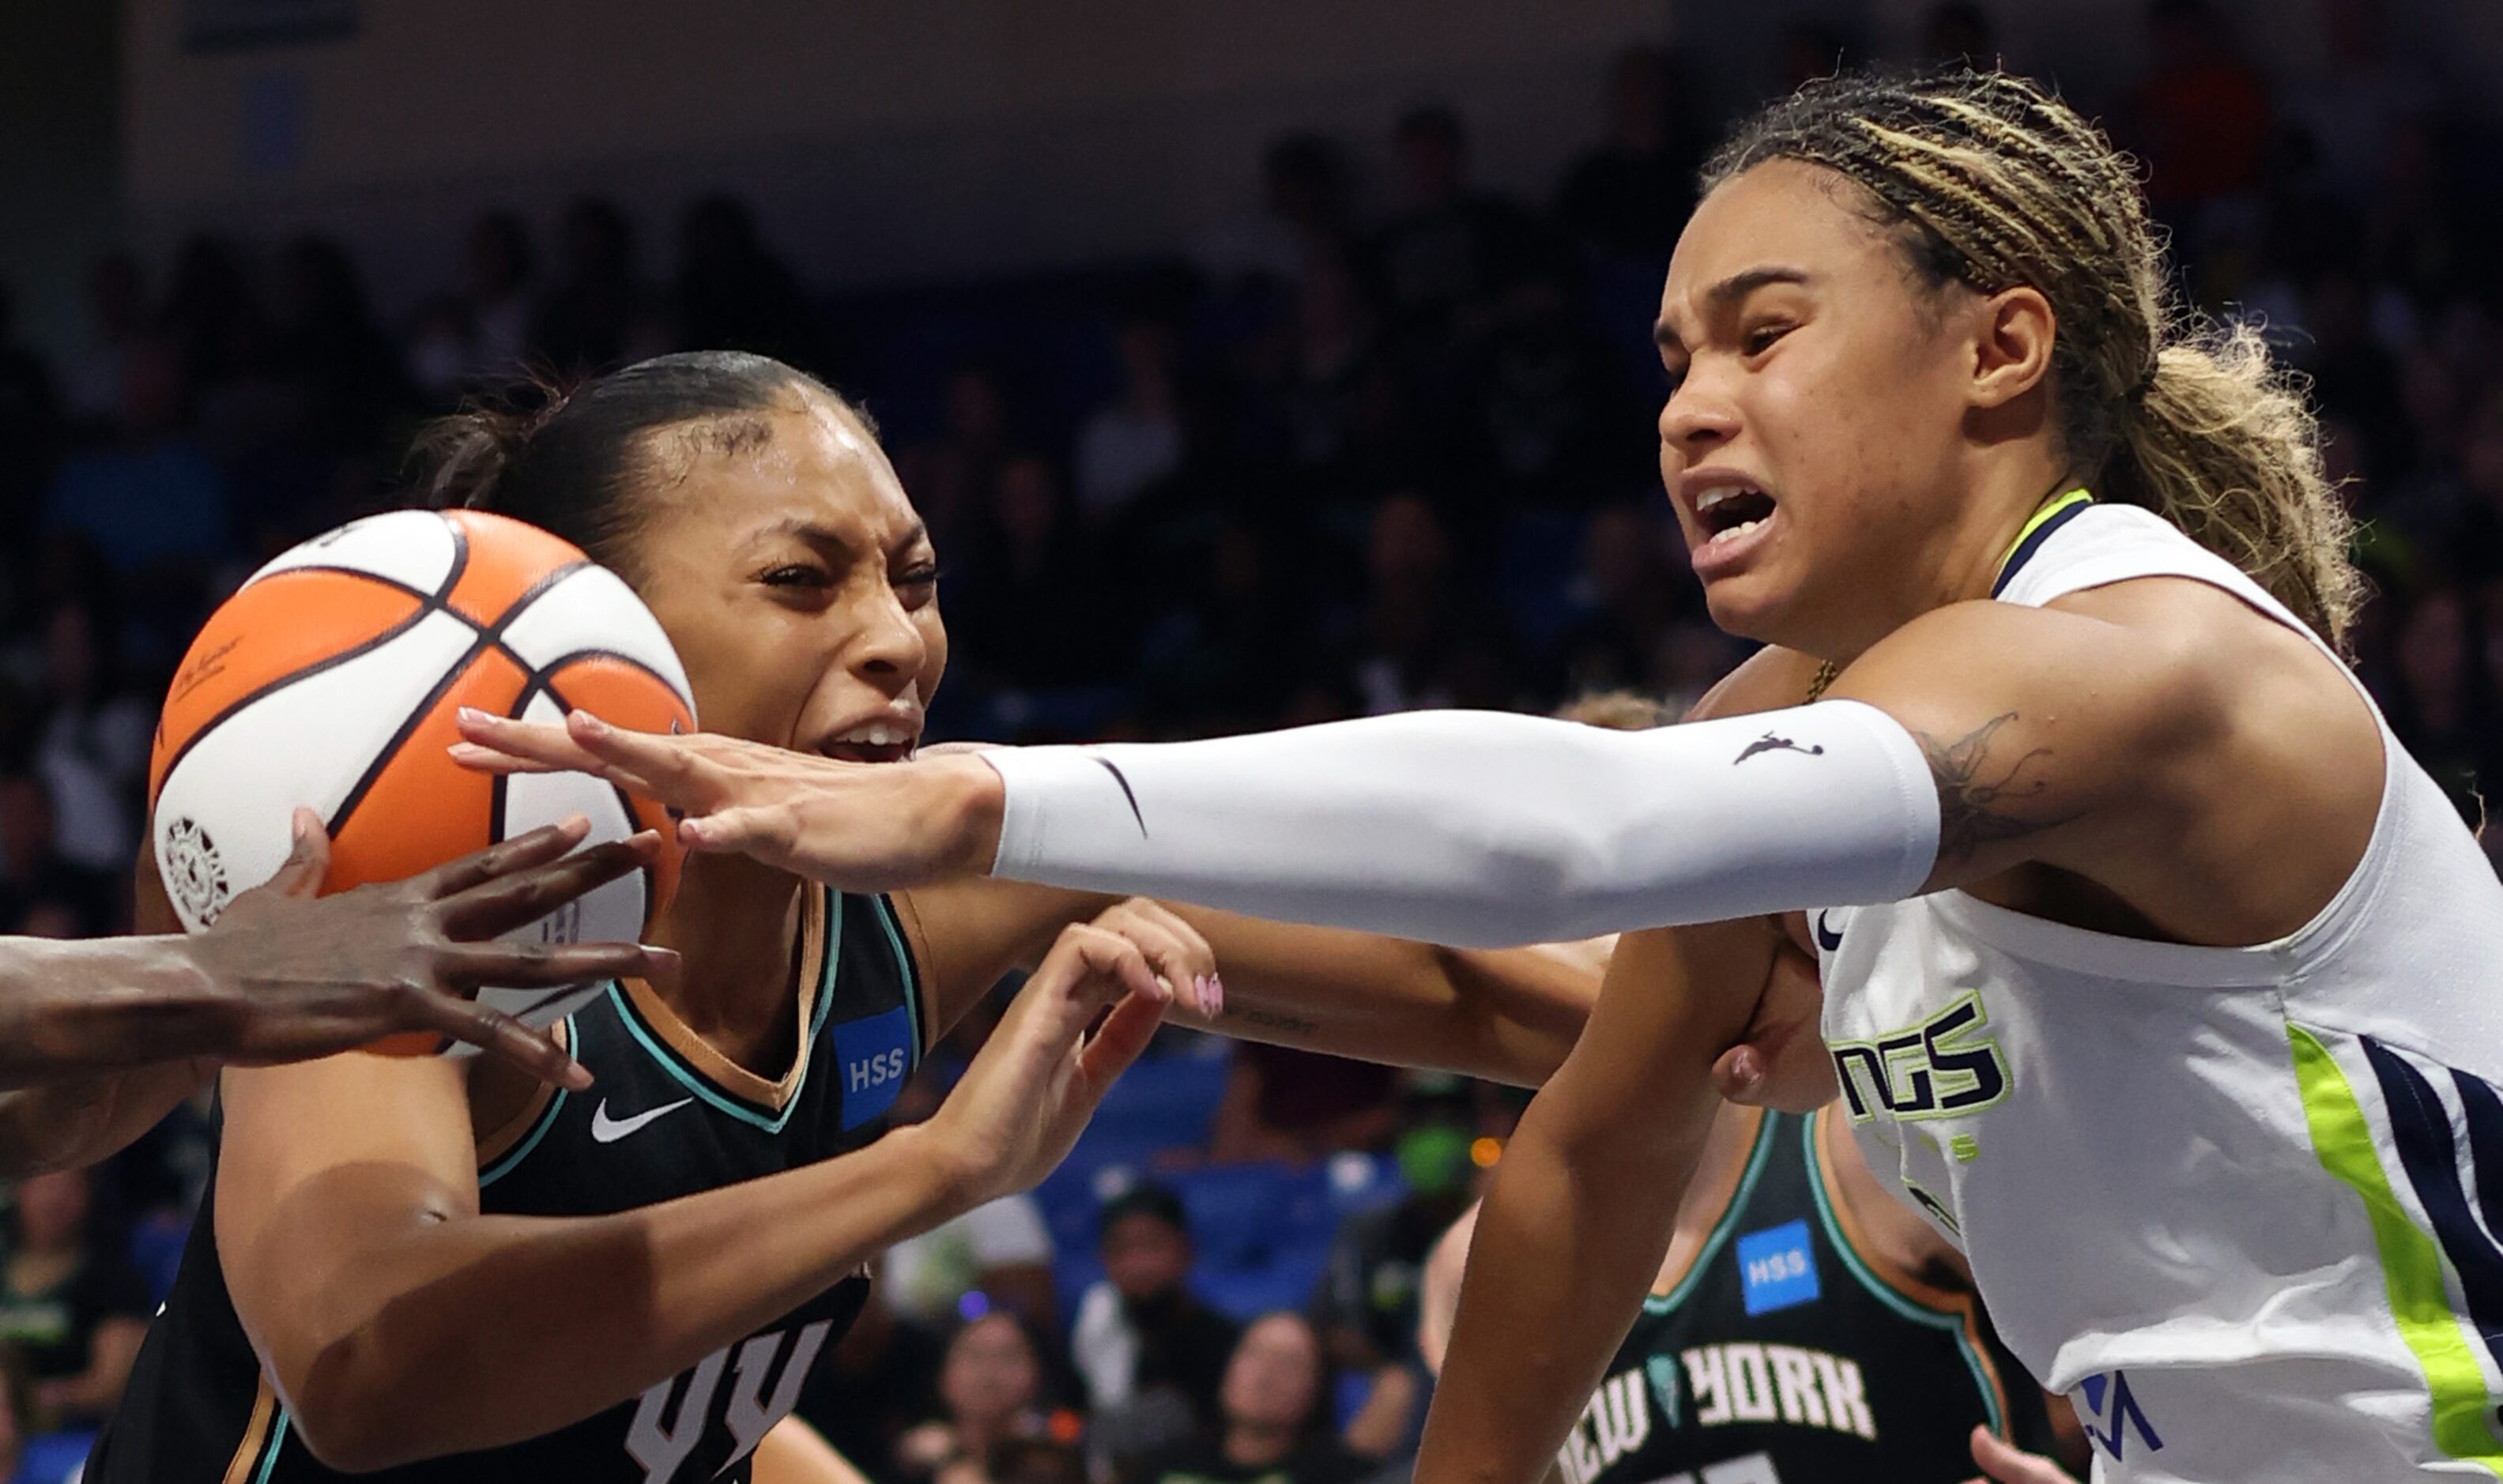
x,y
661,1441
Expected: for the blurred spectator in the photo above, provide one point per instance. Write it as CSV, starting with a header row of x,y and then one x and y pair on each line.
x,y
20,1420
1303,208
478,335
2355,108
1125,448
734,295
1001,1250
69,1303
1033,603
2440,710
990,1390
1634,591
1959,33
1282,1103
2200,114
210,317
1151,1355
41,891
1631,195
1034,1460
92,750
1454,247
116,307
1275,1425
598,313
879,1380
30,419
342,377
154,497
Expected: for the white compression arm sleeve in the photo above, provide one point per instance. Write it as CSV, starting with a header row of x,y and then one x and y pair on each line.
x,y
1482,828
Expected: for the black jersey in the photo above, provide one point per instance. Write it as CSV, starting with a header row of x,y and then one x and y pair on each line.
x,y
1786,1356
669,1117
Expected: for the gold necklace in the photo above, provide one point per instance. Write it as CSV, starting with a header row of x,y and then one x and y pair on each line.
x,y
1826,670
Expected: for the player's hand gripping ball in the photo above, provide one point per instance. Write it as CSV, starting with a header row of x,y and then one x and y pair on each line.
x,y
333,681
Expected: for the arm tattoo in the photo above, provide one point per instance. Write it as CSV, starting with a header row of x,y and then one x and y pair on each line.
x,y
1271,1020
1980,797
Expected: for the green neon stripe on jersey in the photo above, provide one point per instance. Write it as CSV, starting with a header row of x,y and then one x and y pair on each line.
x,y
2410,1263
277,1440
1662,1303
2072,498
1918,1313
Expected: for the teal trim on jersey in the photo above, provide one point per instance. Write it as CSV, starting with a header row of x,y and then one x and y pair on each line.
x,y
269,1460
514,1155
1662,1304
826,976
911,980
1917,1313
694,1082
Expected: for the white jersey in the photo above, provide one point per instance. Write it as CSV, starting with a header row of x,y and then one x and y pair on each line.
x,y
2241,1204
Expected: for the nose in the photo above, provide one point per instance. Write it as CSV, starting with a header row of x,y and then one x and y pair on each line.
x,y
1696,420
889,647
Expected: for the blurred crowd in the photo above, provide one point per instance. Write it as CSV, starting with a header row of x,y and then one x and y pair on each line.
x,y
1344,455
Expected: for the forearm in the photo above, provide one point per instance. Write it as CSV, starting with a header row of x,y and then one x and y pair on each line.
x,y
77,1009
1479,828
1567,1241
1506,1014
368,1335
72,1123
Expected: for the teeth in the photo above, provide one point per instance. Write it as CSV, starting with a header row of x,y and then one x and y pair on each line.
x,y
1719,493
875,734
1734,532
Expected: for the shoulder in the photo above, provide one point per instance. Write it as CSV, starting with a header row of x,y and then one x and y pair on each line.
x,y
1767,680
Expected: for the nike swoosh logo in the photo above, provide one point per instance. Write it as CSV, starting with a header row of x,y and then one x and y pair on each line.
x,y
1826,937
608,1131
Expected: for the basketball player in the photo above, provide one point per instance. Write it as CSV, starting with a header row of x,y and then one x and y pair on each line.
x,y
2157,974
99,1038
463,1275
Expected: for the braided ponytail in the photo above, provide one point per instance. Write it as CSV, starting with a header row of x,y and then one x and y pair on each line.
x,y
1990,182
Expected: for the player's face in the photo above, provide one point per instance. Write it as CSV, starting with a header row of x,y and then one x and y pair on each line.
x,y
799,587
1274,1374
1811,433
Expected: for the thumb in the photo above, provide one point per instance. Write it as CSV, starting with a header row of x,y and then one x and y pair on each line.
x,y
308,857
736,832
2007,1464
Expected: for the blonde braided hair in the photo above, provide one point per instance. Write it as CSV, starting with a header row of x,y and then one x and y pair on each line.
x,y
1989,180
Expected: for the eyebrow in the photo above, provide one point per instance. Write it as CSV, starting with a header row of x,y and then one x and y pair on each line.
x,y
1731,290
827,537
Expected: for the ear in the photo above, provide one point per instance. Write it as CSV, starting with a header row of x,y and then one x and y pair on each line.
x,y
2012,334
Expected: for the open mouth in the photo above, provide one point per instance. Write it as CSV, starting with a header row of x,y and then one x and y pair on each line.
x,y
1732,510
873,742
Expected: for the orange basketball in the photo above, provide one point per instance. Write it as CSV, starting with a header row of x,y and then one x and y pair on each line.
x,y
331,681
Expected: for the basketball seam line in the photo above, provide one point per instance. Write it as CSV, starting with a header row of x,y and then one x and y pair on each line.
x,y
486,638
428,602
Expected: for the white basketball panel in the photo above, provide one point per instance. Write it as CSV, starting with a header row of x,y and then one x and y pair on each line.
x,y
593,609
222,820
416,546
610,914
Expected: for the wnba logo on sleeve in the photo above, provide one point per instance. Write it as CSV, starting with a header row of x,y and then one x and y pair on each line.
x,y
875,1053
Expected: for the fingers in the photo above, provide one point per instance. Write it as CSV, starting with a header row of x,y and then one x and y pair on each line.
x,y
499,1035
1118,1041
668,768
497,744
519,853
764,830
543,965
508,901
1174,949
308,857
2004,1462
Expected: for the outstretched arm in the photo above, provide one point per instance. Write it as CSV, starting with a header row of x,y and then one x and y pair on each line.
x,y
1975,738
